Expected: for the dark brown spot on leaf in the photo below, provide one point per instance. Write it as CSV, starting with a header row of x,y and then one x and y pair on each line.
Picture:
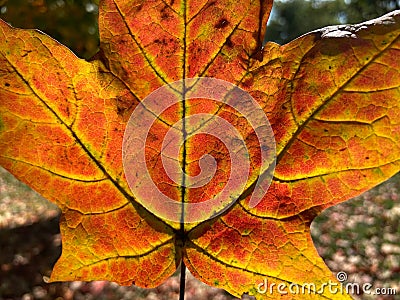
x,y
124,106
248,82
222,23
26,53
160,41
212,3
165,13
138,7
229,43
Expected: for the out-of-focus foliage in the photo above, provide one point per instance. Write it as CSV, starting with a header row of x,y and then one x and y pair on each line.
x,y
292,18
71,22
74,22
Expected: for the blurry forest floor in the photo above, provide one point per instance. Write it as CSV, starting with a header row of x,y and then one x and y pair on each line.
x,y
360,237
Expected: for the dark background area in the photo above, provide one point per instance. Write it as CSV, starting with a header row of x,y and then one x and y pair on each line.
x,y
71,22
74,23
291,19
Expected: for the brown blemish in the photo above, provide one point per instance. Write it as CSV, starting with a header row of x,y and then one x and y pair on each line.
x,y
160,42
258,55
222,23
165,14
124,106
139,7
229,43
248,82
212,3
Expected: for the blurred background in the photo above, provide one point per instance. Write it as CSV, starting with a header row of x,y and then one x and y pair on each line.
x,y
71,22
74,22
360,237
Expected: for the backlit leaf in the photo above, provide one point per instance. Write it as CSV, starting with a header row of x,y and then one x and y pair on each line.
x,y
332,98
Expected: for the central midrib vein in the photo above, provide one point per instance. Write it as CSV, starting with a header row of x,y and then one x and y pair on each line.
x,y
184,132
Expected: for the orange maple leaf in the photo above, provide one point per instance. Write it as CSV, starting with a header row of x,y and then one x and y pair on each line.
x,y
331,98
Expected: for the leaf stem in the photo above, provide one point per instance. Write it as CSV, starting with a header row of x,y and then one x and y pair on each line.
x,y
182,282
